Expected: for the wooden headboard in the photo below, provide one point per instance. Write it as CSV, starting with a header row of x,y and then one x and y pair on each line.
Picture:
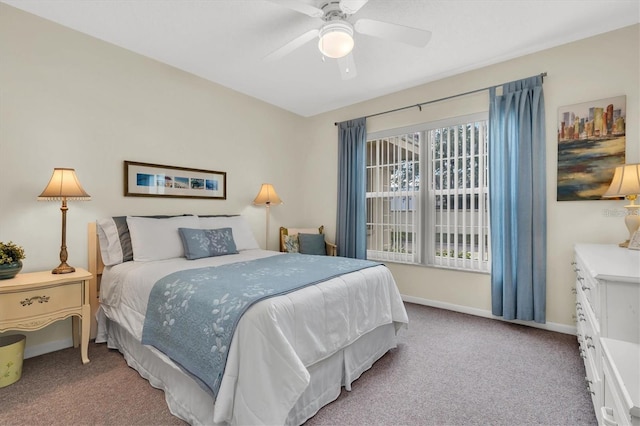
x,y
95,267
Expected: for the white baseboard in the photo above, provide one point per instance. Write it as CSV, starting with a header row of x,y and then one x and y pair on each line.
x,y
36,350
551,326
45,348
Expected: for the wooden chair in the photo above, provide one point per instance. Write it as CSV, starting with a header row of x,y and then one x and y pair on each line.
x,y
331,249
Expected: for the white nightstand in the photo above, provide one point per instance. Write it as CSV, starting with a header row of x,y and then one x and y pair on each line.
x,y
34,300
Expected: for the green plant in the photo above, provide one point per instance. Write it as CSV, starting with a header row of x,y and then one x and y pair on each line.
x,y
9,253
452,253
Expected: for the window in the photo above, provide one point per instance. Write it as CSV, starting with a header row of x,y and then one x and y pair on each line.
x,y
427,194
393,184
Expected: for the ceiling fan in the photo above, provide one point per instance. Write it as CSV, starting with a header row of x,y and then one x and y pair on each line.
x,y
335,36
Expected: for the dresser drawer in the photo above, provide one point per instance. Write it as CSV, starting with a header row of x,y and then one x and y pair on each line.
x,y
587,325
588,286
621,370
20,305
590,349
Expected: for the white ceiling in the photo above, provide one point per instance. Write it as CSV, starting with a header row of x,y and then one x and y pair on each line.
x,y
225,41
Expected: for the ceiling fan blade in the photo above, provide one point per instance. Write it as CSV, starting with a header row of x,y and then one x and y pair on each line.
x,y
347,67
352,6
413,36
298,6
292,45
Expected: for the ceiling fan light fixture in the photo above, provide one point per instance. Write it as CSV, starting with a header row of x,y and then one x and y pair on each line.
x,y
336,39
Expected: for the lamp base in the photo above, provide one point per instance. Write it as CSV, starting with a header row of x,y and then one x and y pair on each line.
x,y
632,220
63,268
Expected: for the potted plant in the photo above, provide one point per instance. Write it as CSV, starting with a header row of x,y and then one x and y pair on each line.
x,y
11,256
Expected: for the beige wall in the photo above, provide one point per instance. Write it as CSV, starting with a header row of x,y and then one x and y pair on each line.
x,y
68,100
590,69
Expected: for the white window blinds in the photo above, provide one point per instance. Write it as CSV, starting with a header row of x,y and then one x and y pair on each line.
x,y
445,220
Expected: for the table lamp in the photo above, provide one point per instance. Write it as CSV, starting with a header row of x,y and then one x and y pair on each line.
x,y
626,183
64,185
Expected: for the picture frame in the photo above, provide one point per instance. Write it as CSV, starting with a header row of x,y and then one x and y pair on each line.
x,y
634,242
591,143
158,180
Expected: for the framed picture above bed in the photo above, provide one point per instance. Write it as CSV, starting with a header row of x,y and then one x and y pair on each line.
x,y
156,180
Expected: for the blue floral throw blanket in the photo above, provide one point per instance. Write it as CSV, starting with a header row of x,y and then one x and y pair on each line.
x,y
192,314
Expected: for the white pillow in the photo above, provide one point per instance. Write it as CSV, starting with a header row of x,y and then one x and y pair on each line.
x,y
158,239
109,236
242,234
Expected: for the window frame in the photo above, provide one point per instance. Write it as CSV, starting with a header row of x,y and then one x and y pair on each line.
x,y
425,250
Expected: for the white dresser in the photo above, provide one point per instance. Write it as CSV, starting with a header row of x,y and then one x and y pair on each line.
x,y
608,329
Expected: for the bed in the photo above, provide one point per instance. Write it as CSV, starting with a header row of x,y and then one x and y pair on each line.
x,y
289,354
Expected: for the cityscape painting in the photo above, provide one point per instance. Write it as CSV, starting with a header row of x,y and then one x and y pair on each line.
x,y
591,143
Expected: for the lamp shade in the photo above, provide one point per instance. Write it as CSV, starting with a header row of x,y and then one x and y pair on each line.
x,y
64,184
267,195
626,181
336,39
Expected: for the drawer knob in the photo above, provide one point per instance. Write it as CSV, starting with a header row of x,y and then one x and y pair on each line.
x,y
39,299
584,287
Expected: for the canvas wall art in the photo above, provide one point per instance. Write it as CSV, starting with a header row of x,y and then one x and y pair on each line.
x,y
591,143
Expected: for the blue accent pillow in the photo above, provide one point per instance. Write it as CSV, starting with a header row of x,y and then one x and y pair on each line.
x,y
199,243
312,244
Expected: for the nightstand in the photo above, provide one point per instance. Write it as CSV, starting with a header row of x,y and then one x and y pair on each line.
x,y
31,301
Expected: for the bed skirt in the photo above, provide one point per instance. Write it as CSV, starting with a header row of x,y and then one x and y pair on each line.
x,y
187,400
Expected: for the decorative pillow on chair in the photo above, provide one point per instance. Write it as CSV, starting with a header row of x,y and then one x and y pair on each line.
x,y
291,243
312,244
199,243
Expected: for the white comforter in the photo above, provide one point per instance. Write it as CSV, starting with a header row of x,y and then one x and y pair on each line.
x,y
277,338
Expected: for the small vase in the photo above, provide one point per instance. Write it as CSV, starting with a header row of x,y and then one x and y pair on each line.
x,y
10,270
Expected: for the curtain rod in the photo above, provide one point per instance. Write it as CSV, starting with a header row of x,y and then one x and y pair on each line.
x,y
543,75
